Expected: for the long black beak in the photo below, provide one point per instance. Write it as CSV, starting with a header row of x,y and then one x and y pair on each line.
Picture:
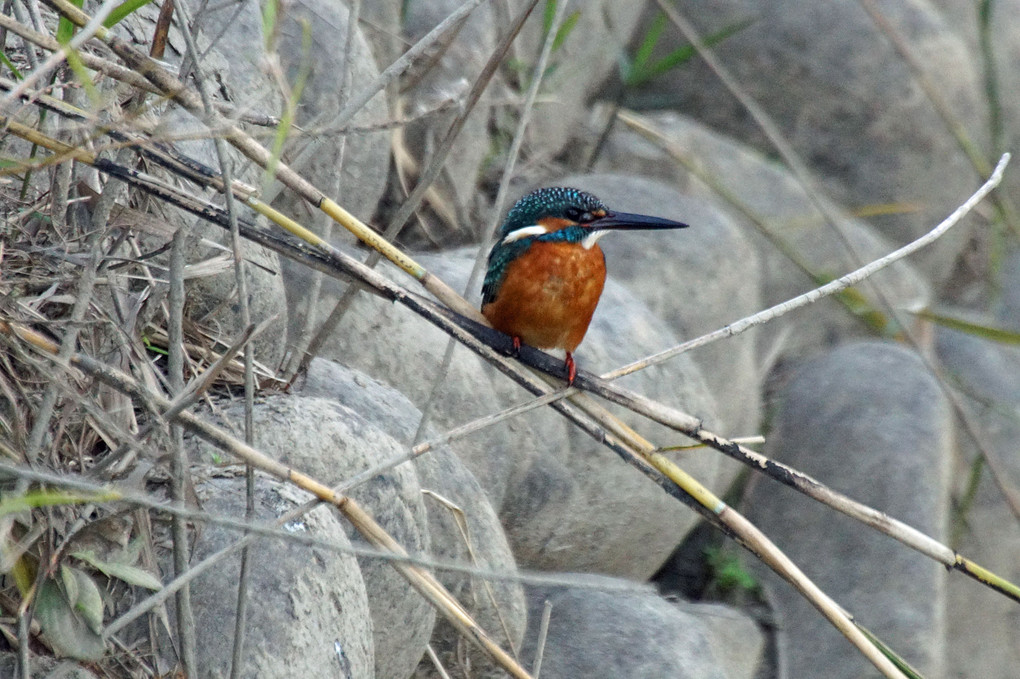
x,y
626,220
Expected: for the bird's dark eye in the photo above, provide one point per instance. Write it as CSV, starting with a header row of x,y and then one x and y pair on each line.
x,y
574,214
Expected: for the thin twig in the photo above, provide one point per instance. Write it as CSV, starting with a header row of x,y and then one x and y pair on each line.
x,y
436,662
543,633
187,27
180,466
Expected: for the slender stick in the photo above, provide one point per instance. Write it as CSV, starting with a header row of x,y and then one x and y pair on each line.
x,y
180,467
543,633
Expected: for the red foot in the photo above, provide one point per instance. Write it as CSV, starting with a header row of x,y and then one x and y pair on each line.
x,y
517,345
571,369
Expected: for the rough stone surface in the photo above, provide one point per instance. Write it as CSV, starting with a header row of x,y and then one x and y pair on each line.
x,y
331,443
307,608
737,642
452,494
775,199
555,491
696,280
595,633
868,420
984,627
846,101
362,177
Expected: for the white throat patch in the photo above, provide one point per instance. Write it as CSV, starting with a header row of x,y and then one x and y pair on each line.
x,y
524,232
592,237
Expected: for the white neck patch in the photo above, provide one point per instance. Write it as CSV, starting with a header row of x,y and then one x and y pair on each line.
x,y
592,237
524,232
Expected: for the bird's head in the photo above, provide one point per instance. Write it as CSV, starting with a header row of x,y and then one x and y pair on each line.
x,y
560,213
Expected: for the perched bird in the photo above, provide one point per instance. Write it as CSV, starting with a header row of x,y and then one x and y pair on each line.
x,y
546,272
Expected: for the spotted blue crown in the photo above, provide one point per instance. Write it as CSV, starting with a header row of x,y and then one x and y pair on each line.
x,y
559,201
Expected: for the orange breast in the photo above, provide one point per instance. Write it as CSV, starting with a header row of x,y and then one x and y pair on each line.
x,y
549,295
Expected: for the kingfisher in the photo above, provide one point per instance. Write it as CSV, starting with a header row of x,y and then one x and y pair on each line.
x,y
546,272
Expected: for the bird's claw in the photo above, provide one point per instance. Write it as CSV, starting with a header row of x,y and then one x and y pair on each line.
x,y
571,369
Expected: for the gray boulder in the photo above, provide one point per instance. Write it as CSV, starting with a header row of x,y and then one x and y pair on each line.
x,y
594,633
332,443
870,421
307,607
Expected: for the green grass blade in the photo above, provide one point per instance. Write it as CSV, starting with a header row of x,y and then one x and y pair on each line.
x,y
644,51
901,664
643,71
65,29
14,69
979,330
50,498
290,110
124,10
565,29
